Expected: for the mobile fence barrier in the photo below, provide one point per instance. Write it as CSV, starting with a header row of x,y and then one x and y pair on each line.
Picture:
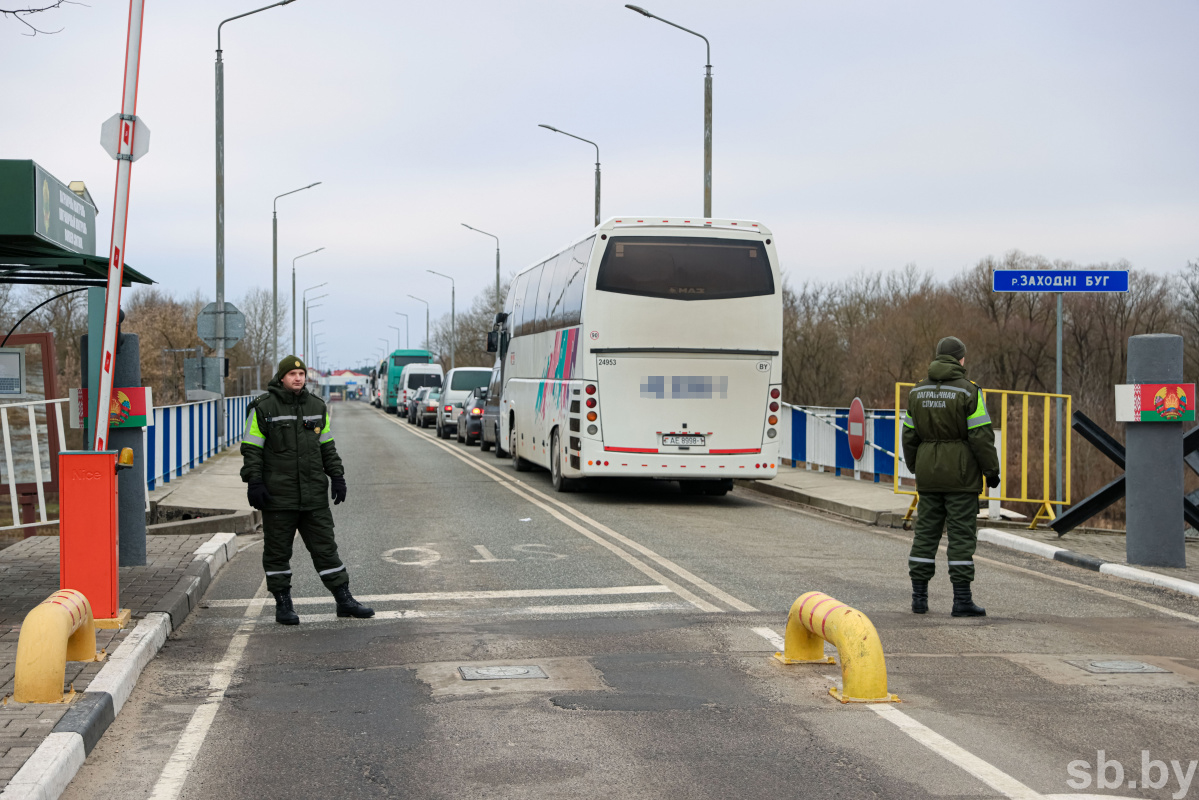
x,y
179,438
818,436
1018,412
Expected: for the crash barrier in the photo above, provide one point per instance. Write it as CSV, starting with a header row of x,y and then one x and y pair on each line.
x,y
816,618
1028,403
33,435
818,436
57,630
183,436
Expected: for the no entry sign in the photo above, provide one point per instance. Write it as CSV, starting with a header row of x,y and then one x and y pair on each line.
x,y
857,429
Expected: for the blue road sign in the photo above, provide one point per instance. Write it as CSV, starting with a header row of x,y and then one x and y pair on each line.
x,y
1060,280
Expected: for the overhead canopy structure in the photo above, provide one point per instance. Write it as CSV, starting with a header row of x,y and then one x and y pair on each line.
x,y
48,231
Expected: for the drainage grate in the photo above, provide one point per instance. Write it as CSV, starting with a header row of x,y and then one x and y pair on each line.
x,y
500,673
1117,667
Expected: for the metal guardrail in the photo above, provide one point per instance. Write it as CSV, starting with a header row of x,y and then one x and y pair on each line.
x,y
179,438
1026,401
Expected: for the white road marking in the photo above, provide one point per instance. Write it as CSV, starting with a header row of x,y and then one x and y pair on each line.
x,y
526,491
489,594
428,556
582,608
487,557
179,765
987,773
1169,612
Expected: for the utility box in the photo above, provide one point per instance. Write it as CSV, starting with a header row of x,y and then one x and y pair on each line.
x,y
87,542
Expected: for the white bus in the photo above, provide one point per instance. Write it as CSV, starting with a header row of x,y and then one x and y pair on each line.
x,y
650,348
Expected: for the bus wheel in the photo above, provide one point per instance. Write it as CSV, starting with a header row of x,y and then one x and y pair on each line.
x,y
561,484
719,488
518,463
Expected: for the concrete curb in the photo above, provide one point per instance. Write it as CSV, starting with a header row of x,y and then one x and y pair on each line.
x,y
48,772
1015,542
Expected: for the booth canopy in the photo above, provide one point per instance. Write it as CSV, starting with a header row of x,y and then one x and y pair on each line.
x,y
48,232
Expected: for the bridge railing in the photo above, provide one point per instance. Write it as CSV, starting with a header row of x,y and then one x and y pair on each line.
x,y
184,436
818,437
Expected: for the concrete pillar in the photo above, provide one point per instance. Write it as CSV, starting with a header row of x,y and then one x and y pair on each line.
x,y
131,487
1154,466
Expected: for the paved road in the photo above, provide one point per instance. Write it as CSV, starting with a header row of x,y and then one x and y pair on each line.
x,y
641,605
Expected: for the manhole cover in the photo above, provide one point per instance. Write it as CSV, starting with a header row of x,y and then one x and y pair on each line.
x,y
500,673
1114,667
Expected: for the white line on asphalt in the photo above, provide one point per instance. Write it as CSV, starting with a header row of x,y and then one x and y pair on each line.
x,y
490,594
583,608
179,765
1004,565
992,776
525,490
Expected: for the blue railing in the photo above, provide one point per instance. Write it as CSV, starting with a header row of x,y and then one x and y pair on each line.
x,y
817,436
182,437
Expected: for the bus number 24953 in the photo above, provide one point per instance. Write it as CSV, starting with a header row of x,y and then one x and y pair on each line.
x,y
607,362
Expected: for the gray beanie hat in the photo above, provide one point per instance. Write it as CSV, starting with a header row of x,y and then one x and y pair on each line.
x,y
951,346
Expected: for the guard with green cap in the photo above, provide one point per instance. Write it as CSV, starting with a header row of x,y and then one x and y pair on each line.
x,y
288,462
948,445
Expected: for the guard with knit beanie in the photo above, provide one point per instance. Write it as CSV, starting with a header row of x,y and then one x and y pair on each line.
x,y
289,461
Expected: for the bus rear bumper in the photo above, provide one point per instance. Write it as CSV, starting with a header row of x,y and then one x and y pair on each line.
x,y
598,461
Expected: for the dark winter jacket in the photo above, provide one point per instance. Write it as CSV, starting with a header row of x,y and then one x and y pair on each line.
x,y
947,439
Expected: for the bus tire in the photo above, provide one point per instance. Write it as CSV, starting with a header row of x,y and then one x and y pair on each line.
x,y
719,488
561,483
518,463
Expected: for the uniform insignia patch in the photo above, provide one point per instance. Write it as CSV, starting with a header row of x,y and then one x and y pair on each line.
x,y
297,363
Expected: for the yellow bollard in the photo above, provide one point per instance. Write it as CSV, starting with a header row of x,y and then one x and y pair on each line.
x,y
816,618
58,630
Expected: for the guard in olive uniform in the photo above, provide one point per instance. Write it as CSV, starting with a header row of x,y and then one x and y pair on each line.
x,y
287,453
949,446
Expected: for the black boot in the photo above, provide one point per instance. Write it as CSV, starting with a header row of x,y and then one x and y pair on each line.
x,y
963,602
285,613
347,606
919,596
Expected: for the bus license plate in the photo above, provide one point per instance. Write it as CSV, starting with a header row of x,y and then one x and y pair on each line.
x,y
684,441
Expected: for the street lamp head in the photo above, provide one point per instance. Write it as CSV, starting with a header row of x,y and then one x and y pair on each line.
x,y
638,9
318,183
549,128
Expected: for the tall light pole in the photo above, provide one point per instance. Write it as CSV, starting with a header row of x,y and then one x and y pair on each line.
x,y
426,302
453,324
275,269
293,295
220,206
707,106
497,242
597,166
396,328
304,303
308,307
407,341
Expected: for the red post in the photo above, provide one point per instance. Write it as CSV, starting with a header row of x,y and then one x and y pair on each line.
x,y
87,542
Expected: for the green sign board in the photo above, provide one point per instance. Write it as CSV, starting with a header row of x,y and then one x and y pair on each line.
x,y
35,203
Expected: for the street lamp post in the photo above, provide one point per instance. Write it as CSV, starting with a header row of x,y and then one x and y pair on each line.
x,y
396,328
308,307
407,341
275,269
426,302
220,206
304,304
293,295
497,240
707,106
597,166
453,324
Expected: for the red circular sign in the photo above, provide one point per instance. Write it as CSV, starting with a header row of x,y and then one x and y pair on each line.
x,y
857,429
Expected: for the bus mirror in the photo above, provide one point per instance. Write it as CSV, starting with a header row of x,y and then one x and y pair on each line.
x,y
492,341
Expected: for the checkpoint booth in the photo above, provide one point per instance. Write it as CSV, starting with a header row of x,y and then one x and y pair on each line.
x,y
47,238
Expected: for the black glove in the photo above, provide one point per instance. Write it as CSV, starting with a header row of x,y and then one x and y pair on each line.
x,y
992,479
257,494
339,488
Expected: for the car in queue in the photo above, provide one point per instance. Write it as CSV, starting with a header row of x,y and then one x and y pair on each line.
x,y
470,421
414,403
491,414
458,384
426,412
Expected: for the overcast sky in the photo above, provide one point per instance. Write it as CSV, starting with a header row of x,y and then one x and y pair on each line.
x,y
867,135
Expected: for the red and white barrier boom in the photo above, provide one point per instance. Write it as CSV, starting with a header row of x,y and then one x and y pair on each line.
x,y
128,130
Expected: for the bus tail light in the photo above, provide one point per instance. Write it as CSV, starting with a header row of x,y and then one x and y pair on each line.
x,y
774,393
592,416
774,406
591,402
772,419
590,388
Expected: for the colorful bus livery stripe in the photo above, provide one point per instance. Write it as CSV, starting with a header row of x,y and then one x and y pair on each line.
x,y
1155,402
559,367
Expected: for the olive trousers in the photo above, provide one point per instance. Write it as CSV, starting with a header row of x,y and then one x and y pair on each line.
x,y
955,512
316,529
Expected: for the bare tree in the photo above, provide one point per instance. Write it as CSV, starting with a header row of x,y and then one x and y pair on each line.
x,y
21,14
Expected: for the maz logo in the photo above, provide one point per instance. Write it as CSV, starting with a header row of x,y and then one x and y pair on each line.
x,y
686,290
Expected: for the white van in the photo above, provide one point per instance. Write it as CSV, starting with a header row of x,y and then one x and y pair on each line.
x,y
412,378
458,384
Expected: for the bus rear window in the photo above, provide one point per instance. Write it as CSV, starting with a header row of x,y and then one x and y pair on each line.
x,y
403,361
685,268
473,379
418,379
